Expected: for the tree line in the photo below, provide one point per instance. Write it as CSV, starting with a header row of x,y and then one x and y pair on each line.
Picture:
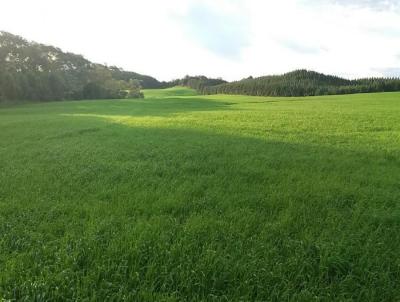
x,y
302,83
31,71
195,82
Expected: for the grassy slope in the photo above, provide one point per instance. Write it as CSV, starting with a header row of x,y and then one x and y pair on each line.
x,y
177,91
208,198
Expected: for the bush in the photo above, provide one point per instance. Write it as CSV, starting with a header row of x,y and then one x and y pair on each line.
x,y
134,94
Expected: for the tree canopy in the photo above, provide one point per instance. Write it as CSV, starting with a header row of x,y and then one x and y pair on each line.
x,y
30,71
303,83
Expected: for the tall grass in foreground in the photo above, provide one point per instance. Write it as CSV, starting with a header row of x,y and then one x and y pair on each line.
x,y
201,198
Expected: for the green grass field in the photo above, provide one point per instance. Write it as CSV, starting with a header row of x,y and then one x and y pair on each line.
x,y
178,197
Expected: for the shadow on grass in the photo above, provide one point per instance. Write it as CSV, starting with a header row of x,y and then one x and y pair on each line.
x,y
158,107
135,108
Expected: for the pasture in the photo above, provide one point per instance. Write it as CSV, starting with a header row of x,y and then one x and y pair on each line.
x,y
182,197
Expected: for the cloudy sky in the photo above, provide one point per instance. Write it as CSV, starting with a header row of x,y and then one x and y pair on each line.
x,y
220,38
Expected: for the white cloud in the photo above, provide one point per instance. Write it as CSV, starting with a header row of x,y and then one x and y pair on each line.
x,y
224,33
228,38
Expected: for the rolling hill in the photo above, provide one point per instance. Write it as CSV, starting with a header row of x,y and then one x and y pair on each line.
x,y
303,83
32,71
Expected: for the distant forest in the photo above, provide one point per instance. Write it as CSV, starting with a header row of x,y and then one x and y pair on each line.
x,y
30,71
303,83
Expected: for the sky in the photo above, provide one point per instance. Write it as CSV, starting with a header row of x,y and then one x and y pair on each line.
x,y
232,39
